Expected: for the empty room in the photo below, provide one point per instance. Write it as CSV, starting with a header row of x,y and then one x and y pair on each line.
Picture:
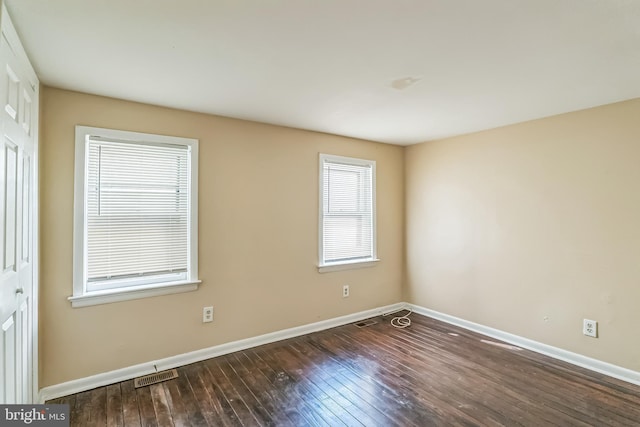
x,y
320,213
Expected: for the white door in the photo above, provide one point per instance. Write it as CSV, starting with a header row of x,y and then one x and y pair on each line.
x,y
18,113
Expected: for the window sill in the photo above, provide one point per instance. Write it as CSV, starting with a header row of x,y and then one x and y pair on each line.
x,y
115,295
326,268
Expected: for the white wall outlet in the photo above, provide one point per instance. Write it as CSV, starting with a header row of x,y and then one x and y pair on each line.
x,y
590,328
345,291
207,314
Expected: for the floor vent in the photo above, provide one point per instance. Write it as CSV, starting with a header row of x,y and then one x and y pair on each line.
x,y
366,323
158,377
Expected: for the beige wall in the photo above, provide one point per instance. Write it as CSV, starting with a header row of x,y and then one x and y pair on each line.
x,y
531,228
528,228
258,239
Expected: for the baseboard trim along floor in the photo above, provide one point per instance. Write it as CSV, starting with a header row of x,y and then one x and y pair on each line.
x,y
118,375
605,368
123,374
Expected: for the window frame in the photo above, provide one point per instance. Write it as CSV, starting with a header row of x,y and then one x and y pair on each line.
x,y
81,295
324,266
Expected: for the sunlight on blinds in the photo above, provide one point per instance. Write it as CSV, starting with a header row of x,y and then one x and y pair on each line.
x,y
347,192
137,210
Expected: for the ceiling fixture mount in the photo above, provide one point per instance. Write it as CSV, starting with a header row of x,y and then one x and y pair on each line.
x,y
404,82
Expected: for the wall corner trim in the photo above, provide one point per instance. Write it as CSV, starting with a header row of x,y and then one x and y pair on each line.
x,y
596,365
124,374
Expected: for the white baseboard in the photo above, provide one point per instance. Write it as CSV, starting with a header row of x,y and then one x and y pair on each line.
x,y
118,375
609,369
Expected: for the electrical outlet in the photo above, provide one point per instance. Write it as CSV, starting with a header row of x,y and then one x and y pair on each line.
x,y
345,291
590,328
207,314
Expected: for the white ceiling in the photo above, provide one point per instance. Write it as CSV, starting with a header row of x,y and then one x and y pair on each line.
x,y
397,71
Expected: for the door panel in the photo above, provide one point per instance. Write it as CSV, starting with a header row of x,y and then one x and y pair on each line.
x,y
26,116
10,206
26,209
8,347
18,129
12,93
23,374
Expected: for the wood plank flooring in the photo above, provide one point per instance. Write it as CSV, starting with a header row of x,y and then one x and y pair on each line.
x,y
430,374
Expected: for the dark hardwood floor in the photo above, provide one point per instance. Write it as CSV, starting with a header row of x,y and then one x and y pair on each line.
x,y
430,374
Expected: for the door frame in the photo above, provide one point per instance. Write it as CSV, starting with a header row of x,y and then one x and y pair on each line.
x,y
35,244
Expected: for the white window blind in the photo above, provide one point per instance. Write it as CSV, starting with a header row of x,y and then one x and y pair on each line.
x,y
135,216
348,210
137,212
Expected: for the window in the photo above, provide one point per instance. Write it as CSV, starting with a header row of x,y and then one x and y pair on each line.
x,y
347,213
135,216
